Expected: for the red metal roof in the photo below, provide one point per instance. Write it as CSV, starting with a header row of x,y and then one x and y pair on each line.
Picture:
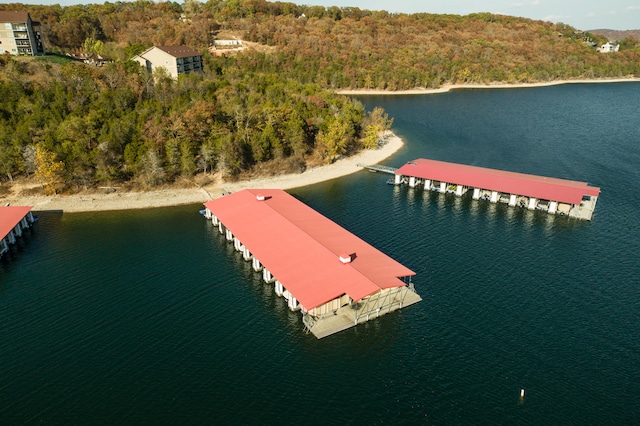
x,y
540,187
10,216
302,248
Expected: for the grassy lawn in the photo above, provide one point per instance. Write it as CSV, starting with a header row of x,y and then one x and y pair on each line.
x,y
55,58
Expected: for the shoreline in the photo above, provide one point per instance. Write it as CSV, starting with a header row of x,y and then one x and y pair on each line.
x,y
100,201
449,87
129,200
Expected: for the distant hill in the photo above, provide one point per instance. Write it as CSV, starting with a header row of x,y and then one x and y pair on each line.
x,y
616,34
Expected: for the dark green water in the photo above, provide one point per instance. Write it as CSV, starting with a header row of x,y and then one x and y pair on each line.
x,y
150,317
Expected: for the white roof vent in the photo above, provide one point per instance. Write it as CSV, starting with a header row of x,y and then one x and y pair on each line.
x,y
345,258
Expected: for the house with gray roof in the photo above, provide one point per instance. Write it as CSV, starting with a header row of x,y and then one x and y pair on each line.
x,y
175,60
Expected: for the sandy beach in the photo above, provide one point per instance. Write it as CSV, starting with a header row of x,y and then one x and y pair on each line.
x,y
101,201
447,88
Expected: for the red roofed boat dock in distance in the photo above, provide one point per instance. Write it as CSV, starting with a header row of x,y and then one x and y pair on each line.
x,y
334,278
555,196
13,221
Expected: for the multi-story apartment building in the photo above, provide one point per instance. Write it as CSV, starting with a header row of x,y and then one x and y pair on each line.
x,y
175,59
19,35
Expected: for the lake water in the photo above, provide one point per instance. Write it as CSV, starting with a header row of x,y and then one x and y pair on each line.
x,y
150,317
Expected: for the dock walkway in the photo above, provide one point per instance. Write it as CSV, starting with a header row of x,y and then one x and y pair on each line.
x,y
553,195
351,315
379,168
13,221
334,278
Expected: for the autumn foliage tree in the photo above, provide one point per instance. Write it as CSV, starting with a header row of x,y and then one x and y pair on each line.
x,y
377,124
49,170
270,108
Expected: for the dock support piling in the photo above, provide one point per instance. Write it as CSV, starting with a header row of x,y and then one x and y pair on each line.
x,y
293,303
266,276
256,265
246,254
18,229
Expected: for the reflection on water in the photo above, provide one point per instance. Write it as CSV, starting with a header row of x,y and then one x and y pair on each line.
x,y
152,317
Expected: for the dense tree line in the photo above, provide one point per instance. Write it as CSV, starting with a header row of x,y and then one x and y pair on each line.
x,y
421,50
273,105
78,126
347,47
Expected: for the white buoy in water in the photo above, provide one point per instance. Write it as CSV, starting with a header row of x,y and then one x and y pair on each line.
x,y
521,393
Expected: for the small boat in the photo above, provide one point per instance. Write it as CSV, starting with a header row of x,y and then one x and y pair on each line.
x,y
391,181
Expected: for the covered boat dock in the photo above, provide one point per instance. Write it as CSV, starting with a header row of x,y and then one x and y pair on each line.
x,y
13,221
555,196
334,278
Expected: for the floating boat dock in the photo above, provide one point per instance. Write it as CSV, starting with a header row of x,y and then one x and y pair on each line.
x,y
555,196
13,221
335,279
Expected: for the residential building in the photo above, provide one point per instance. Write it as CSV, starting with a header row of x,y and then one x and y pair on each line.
x,y
19,35
221,47
609,47
175,60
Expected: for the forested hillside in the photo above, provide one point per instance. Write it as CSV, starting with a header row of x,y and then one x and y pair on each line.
x,y
75,125
348,47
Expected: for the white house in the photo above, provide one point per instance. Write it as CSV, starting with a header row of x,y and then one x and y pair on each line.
x,y
175,59
609,47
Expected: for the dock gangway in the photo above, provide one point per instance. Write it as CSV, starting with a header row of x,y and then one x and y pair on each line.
x,y
379,168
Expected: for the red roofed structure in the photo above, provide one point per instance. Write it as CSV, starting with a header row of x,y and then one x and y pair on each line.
x,y
576,199
13,220
318,266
